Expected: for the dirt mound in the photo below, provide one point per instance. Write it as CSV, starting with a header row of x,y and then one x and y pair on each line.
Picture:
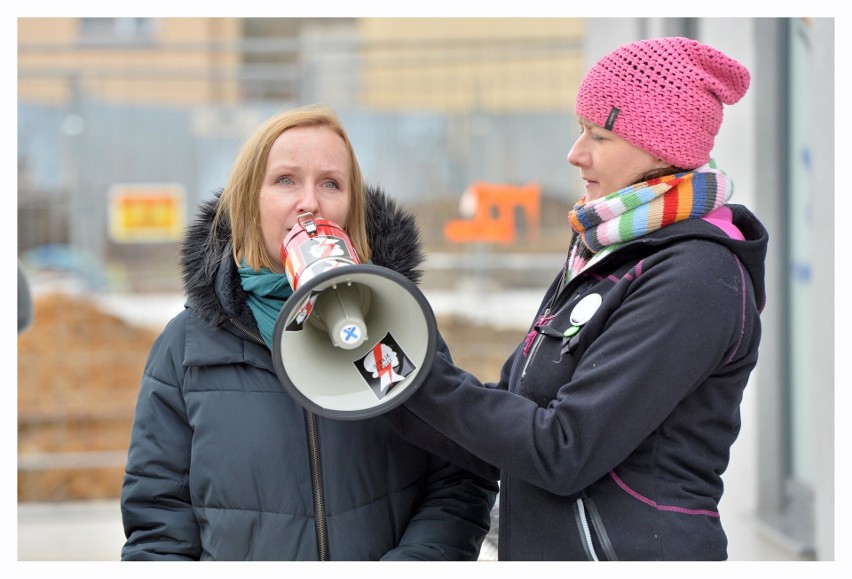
x,y
78,376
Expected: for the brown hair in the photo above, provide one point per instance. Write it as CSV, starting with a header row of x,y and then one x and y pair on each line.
x,y
659,172
239,203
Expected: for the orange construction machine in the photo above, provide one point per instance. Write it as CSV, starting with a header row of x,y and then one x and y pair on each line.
x,y
496,213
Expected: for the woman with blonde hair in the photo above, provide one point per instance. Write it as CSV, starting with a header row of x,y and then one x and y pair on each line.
x,y
223,463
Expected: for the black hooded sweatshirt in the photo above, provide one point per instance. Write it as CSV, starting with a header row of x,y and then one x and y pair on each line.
x,y
612,440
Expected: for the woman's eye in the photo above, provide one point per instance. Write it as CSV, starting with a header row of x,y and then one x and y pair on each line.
x,y
591,133
284,180
330,185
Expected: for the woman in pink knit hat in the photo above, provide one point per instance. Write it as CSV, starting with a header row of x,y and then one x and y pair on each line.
x,y
612,422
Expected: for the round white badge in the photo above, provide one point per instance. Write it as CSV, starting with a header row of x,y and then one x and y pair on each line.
x,y
585,309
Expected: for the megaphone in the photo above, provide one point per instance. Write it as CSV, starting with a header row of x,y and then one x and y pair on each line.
x,y
354,340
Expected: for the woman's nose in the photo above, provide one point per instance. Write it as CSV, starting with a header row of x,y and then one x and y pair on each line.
x,y
576,156
308,202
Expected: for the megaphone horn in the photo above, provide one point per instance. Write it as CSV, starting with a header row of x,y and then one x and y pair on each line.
x,y
354,340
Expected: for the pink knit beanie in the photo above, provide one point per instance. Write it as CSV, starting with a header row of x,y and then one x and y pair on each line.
x,y
664,96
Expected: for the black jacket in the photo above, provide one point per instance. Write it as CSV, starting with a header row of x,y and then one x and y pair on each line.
x,y
612,442
220,461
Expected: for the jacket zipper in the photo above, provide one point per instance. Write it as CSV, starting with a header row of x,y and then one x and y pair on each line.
x,y
536,342
314,455
587,533
580,288
316,479
251,334
594,535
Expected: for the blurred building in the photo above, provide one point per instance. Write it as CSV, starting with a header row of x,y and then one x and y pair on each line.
x,y
445,64
126,124
153,110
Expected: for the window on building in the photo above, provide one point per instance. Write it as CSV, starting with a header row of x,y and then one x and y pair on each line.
x,y
117,31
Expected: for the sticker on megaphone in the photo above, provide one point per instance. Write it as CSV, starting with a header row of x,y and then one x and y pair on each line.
x,y
384,366
315,245
304,313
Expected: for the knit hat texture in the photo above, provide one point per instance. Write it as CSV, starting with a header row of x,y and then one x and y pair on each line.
x,y
664,96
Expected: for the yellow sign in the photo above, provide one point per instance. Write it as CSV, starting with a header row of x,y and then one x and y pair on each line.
x,y
146,213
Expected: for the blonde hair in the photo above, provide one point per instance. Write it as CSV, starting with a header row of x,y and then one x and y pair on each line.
x,y
239,203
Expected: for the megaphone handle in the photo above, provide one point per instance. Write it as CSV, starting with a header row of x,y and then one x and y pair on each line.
x,y
306,220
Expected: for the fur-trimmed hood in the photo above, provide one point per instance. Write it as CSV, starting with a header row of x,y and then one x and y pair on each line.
x,y
211,280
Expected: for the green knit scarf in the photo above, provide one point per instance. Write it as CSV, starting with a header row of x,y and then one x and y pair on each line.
x,y
267,291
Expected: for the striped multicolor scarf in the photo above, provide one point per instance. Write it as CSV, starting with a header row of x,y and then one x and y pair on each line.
x,y
603,225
